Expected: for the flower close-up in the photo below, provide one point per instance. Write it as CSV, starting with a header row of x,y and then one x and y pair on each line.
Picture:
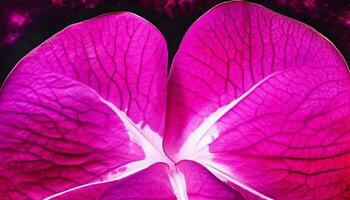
x,y
256,105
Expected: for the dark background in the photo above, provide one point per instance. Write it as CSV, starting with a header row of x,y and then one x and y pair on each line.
x,y
24,24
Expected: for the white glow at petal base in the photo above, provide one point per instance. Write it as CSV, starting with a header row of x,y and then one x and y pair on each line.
x,y
178,184
206,133
149,140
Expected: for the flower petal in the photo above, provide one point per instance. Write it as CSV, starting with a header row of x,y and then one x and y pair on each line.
x,y
151,183
263,102
201,184
85,106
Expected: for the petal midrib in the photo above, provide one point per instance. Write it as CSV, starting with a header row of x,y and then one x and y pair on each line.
x,y
140,135
152,150
199,138
130,169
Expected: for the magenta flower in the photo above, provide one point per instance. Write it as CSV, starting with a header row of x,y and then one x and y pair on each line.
x,y
256,106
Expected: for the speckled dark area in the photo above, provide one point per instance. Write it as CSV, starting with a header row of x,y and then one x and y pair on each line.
x,y
25,24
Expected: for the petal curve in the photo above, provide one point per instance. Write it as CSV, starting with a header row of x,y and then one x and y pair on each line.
x,y
85,106
151,183
263,102
202,185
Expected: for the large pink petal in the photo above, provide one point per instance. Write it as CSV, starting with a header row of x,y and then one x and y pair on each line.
x,y
263,102
290,140
152,183
202,185
82,106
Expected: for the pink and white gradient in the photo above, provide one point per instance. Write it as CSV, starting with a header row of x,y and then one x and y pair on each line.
x,y
256,106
